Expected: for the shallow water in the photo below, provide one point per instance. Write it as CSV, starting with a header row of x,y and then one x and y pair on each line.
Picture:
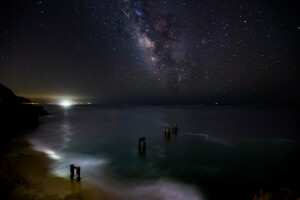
x,y
219,151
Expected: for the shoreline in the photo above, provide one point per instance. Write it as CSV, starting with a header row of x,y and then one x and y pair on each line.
x,y
24,175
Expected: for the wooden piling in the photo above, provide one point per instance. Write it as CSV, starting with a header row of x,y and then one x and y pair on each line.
x,y
72,171
78,178
167,132
142,140
175,128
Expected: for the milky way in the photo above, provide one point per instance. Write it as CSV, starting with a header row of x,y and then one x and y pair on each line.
x,y
159,35
147,51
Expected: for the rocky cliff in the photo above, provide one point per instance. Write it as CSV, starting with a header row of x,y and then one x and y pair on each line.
x,y
15,114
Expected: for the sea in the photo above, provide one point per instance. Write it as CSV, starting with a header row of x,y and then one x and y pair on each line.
x,y
218,151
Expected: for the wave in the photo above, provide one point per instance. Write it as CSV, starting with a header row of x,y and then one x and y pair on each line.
x,y
151,190
93,172
210,138
284,140
166,190
62,161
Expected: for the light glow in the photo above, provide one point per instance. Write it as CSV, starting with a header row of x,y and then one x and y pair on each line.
x,y
52,154
65,103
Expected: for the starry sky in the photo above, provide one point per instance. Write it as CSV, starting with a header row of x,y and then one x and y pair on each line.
x,y
152,51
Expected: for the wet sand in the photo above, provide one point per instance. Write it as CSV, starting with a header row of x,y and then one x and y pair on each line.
x,y
24,175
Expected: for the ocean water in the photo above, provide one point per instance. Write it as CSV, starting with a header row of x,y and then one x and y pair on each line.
x,y
228,152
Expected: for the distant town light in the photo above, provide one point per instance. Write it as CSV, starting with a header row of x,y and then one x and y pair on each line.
x,y
65,103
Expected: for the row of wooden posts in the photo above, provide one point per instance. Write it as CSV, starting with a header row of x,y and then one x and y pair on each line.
x,y
167,130
142,140
142,149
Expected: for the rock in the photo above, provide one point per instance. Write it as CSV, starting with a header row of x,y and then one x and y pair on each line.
x,y
14,114
8,97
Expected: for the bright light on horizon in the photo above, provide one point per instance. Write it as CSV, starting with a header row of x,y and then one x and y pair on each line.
x,y
65,103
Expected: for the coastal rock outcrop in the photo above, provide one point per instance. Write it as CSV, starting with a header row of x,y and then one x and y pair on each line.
x,y
8,97
16,113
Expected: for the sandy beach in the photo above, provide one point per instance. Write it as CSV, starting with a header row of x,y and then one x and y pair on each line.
x,y
24,175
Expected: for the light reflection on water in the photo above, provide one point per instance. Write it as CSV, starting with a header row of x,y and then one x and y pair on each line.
x,y
66,130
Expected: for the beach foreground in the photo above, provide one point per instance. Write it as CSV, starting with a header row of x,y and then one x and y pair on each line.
x,y
24,175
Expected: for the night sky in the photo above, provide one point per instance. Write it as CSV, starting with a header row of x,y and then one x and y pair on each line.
x,y
150,51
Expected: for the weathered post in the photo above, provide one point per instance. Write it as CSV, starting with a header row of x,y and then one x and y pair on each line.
x,y
167,132
72,171
142,140
174,128
78,178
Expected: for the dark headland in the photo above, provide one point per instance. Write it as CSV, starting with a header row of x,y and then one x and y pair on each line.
x,y
16,112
